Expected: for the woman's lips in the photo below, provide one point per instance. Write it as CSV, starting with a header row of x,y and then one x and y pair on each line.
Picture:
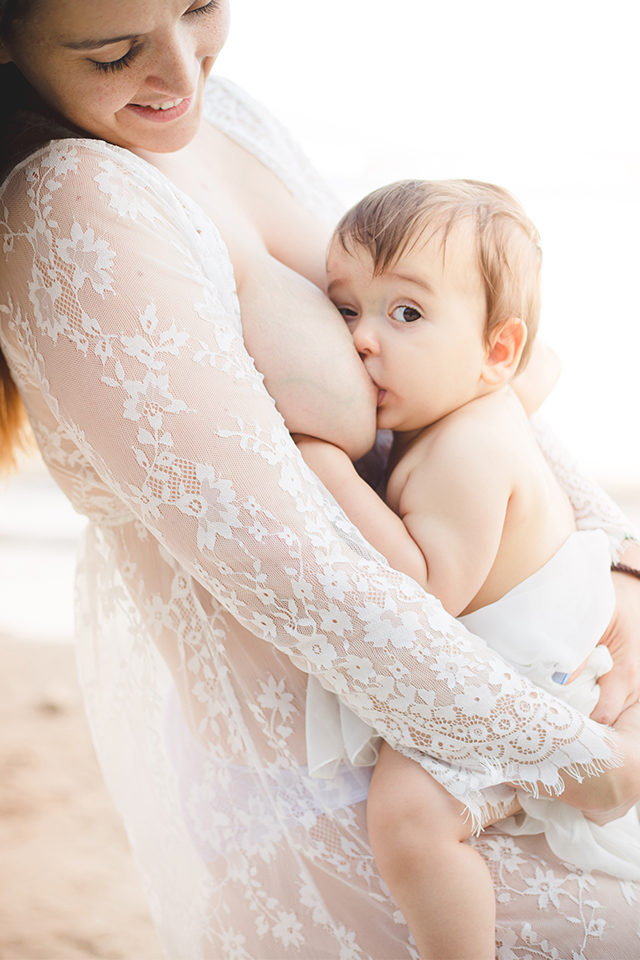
x,y
381,395
161,116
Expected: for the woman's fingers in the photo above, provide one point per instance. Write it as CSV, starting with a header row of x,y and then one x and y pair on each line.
x,y
626,779
621,686
617,692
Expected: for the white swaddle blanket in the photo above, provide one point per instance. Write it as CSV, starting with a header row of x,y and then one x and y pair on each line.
x,y
547,627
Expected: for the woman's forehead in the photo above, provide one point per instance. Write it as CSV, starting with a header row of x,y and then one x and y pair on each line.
x,y
85,22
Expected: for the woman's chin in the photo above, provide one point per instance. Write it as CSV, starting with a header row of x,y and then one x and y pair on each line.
x,y
157,136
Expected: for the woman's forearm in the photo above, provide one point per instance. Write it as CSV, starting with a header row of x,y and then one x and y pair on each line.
x,y
614,790
630,554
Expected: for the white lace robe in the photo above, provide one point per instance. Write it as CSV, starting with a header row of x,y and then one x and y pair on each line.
x,y
217,572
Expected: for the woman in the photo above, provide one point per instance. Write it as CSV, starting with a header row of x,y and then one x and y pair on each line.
x,y
217,572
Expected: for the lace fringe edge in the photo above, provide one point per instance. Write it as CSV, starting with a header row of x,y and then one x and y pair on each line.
x,y
478,810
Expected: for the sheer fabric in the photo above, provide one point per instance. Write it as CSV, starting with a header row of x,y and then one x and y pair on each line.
x,y
217,573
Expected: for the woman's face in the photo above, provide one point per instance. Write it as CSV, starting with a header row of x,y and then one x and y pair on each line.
x,y
107,66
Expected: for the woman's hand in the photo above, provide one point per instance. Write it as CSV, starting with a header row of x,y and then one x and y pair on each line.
x,y
627,782
621,686
611,794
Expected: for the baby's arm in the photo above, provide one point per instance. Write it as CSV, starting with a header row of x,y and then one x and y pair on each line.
x,y
451,517
454,504
376,521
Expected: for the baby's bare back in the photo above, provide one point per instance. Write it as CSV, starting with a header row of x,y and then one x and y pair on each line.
x,y
479,475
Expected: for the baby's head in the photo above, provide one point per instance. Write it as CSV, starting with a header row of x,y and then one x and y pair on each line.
x,y
439,282
393,220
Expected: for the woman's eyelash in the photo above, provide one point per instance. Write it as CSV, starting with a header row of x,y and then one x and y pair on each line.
x,y
207,8
112,66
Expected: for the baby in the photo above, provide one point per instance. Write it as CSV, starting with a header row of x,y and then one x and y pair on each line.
x,y
439,283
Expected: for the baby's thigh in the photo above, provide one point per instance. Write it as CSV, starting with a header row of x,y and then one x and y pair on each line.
x,y
404,800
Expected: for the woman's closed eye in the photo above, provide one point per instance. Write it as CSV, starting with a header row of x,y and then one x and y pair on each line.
x,y
205,7
112,66
406,314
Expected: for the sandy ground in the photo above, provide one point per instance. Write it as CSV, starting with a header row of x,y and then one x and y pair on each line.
x,y
69,886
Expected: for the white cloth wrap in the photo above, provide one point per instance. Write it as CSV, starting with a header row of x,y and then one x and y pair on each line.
x,y
556,618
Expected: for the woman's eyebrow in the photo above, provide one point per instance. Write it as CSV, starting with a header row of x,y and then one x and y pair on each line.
x,y
95,44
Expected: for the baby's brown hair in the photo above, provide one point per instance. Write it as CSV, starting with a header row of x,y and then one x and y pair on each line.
x,y
394,219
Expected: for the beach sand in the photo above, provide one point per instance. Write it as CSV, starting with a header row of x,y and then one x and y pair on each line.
x,y
69,885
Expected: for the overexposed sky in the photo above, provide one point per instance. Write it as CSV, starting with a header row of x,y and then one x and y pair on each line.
x,y
540,97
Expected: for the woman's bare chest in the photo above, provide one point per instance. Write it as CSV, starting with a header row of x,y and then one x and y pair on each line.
x,y
254,212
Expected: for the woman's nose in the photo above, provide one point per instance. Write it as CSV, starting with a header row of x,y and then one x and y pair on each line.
x,y
175,70
365,338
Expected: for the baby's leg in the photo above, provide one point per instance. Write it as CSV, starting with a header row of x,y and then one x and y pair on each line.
x,y
441,884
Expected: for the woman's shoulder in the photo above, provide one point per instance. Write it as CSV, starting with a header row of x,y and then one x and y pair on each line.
x,y
230,107
70,155
72,175
251,124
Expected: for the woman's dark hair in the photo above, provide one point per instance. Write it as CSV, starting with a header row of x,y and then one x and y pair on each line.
x,y
25,125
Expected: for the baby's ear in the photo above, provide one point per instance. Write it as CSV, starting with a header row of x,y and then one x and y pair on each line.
x,y
504,349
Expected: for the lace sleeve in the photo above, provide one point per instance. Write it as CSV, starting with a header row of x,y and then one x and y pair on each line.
x,y
126,321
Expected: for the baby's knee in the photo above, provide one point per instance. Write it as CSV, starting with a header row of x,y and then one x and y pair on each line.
x,y
409,816
401,831
396,814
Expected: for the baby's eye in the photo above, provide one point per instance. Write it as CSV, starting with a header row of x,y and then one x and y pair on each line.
x,y
348,313
405,314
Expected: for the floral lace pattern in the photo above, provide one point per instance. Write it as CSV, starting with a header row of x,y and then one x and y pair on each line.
x,y
217,572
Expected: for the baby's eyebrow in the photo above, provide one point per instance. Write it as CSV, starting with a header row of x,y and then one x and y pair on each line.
x,y
96,44
417,281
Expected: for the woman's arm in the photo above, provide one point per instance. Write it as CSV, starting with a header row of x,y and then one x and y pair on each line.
x,y
620,687
611,794
538,378
123,334
594,509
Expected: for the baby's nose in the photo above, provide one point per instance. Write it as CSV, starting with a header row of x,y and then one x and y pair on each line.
x,y
364,336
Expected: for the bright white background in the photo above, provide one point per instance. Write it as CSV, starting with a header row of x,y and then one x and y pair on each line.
x,y
541,97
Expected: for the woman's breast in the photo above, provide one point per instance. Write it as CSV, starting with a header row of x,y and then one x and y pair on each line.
x,y
303,348
296,337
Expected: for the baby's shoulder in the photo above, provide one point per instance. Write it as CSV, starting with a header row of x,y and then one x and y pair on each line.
x,y
489,423
494,422
487,435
